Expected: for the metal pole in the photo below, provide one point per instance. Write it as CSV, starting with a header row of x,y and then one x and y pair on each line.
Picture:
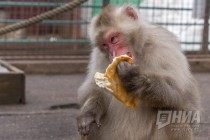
x,y
105,2
206,28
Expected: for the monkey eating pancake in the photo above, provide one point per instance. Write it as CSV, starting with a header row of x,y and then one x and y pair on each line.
x,y
110,81
158,79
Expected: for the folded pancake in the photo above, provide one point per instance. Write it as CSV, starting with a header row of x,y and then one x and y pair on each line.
x,y
111,81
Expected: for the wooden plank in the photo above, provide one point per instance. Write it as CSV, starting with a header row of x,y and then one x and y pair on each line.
x,y
11,68
12,85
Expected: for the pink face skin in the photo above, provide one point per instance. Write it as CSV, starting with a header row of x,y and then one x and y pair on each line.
x,y
113,45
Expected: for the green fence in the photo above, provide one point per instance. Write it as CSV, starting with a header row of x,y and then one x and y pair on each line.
x,y
119,2
66,34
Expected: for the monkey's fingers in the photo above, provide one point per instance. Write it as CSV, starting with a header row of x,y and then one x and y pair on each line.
x,y
84,130
84,123
84,137
123,68
97,120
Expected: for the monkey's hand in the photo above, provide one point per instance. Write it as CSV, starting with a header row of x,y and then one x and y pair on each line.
x,y
84,122
130,76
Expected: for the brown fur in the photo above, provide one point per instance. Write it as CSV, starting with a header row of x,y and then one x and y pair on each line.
x,y
104,18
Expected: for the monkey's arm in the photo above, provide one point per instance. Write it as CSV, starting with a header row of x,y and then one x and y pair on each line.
x,y
160,91
157,90
92,100
93,106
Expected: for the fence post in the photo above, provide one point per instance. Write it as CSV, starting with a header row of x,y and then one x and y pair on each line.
x,y
105,2
205,34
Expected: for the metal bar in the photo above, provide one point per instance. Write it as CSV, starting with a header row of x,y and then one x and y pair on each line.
x,y
86,22
91,6
35,4
164,8
64,41
54,4
42,4
192,43
105,2
145,7
205,34
182,24
47,21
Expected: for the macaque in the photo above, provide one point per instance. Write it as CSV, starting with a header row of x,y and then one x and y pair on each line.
x,y
159,76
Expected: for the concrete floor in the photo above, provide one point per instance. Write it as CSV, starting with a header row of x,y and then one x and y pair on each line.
x,y
41,118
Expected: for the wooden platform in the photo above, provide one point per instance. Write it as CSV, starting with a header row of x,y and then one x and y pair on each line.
x,y
12,85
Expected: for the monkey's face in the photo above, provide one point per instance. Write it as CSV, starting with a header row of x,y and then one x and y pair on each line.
x,y
111,31
114,45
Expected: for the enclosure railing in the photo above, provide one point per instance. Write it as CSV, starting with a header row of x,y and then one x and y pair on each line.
x,y
66,34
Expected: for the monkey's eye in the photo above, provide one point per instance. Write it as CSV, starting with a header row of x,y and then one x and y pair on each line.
x,y
104,46
114,39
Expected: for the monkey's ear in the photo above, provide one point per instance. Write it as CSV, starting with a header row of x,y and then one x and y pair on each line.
x,y
130,12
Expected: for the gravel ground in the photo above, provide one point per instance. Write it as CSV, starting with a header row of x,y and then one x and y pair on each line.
x,y
52,106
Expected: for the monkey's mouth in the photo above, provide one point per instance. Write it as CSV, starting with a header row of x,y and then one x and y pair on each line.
x,y
119,52
129,54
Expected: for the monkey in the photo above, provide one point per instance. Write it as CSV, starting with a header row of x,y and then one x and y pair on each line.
x,y
159,76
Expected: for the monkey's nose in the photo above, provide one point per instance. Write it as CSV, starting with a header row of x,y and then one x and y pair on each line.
x,y
129,54
113,54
